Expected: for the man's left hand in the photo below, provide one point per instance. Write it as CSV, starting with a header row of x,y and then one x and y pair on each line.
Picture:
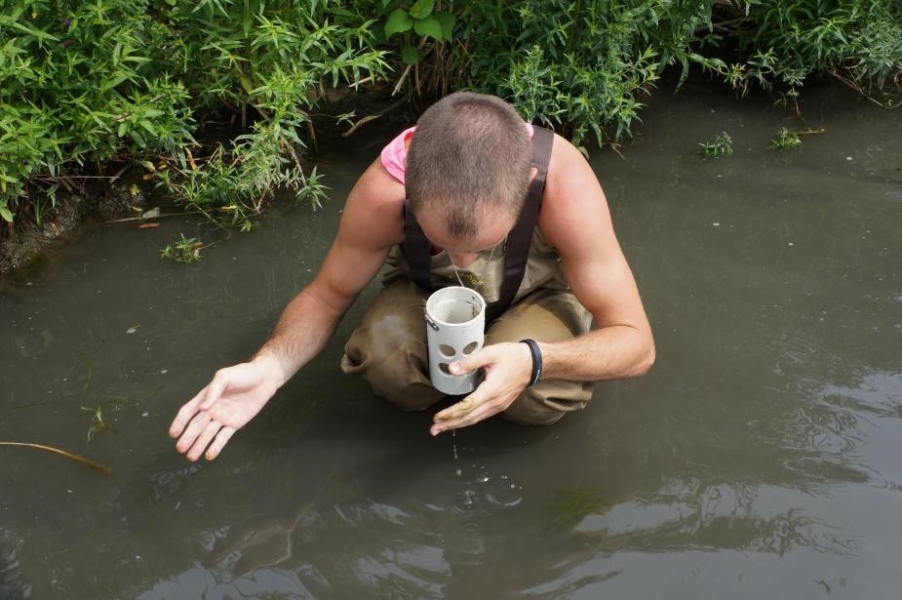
x,y
507,366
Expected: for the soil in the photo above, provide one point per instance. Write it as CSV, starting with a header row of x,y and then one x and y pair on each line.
x,y
23,243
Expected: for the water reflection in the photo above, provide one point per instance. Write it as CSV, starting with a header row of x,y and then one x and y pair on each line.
x,y
13,585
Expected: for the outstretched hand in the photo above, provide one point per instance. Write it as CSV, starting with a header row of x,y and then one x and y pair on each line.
x,y
507,366
235,395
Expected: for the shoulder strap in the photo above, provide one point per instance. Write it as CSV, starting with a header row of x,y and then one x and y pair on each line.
x,y
520,237
417,250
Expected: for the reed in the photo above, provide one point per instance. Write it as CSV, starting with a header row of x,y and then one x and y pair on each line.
x,y
76,457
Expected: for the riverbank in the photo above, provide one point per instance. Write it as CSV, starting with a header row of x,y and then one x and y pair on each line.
x,y
131,193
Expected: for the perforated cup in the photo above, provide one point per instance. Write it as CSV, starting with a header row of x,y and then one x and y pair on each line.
x,y
455,327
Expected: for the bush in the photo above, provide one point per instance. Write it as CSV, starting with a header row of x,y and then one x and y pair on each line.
x,y
781,44
83,84
584,66
86,84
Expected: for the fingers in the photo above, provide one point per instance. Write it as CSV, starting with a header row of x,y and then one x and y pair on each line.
x,y
214,390
225,434
504,381
457,411
466,365
206,435
192,431
198,437
203,440
185,414
203,401
468,411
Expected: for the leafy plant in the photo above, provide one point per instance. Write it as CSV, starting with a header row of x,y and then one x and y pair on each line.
x,y
99,423
584,67
5,213
421,18
84,85
858,42
786,139
721,145
88,87
185,250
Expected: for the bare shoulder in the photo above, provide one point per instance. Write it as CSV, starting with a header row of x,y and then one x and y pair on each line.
x,y
576,220
370,225
574,206
373,213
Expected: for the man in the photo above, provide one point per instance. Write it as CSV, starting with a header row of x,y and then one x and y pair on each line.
x,y
512,210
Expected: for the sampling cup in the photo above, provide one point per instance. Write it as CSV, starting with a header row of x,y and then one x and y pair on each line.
x,y
455,328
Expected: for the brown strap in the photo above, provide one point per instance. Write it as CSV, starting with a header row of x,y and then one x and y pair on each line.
x,y
520,237
417,247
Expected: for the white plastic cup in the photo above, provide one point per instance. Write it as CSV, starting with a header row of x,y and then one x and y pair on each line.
x,y
455,328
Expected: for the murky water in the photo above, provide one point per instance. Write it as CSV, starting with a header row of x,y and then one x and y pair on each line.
x,y
759,458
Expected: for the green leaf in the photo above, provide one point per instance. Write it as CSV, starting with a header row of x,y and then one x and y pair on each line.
x,y
38,33
6,214
109,84
398,22
429,27
410,55
422,9
447,21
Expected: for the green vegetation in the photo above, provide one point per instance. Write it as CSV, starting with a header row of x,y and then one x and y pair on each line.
x,y
88,85
94,88
99,422
721,145
185,250
781,44
786,139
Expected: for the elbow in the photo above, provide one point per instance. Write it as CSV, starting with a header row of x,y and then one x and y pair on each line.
x,y
646,359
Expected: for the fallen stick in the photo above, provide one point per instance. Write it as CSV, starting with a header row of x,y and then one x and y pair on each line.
x,y
76,457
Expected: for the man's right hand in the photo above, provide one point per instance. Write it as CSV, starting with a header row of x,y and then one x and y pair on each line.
x,y
234,397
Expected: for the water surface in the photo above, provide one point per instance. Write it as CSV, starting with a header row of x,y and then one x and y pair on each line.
x,y
759,458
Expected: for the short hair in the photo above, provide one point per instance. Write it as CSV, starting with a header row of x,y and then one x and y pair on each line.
x,y
469,152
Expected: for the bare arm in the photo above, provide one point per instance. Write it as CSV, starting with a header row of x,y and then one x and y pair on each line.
x,y
370,225
372,222
576,220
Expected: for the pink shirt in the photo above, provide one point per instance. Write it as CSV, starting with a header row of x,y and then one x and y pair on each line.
x,y
394,156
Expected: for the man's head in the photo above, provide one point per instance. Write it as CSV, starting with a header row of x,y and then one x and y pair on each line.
x,y
468,161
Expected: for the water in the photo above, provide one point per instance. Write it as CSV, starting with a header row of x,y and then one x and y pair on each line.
x,y
759,458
